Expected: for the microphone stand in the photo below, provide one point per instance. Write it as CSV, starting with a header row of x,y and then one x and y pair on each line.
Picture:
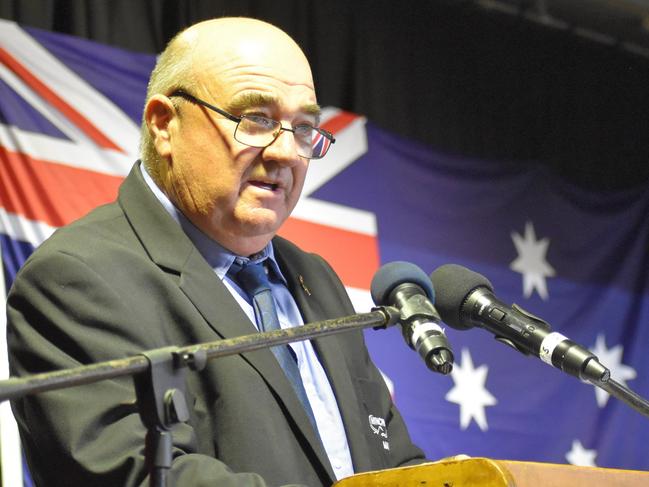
x,y
159,376
624,394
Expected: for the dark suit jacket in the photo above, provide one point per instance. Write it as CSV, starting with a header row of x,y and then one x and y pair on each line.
x,y
126,279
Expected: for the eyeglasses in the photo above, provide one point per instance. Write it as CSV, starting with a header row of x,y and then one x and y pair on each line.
x,y
258,131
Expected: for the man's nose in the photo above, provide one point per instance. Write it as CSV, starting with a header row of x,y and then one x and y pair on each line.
x,y
283,149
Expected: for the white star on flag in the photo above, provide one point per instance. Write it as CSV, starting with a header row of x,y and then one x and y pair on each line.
x,y
580,456
531,261
470,393
612,359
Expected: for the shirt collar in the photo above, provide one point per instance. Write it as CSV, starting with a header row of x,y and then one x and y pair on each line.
x,y
217,256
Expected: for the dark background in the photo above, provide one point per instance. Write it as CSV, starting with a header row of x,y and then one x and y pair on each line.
x,y
454,75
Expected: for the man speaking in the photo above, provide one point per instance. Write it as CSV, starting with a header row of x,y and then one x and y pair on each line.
x,y
188,254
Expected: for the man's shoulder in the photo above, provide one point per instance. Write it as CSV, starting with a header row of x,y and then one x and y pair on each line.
x,y
90,235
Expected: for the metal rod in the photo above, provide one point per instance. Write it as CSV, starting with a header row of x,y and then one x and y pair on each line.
x,y
12,388
626,395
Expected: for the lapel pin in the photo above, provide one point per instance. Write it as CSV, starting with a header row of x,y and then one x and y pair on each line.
x,y
306,289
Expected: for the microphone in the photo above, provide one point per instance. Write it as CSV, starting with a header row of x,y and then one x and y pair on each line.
x,y
408,288
465,299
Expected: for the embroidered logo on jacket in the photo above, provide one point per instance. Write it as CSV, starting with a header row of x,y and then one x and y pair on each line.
x,y
377,425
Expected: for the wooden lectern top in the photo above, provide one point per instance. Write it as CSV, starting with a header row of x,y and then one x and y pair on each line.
x,y
484,472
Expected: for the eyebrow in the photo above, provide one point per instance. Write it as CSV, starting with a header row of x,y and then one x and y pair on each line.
x,y
251,99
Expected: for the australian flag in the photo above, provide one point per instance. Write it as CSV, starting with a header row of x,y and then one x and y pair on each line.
x,y
69,126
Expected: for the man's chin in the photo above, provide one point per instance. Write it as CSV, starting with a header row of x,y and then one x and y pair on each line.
x,y
262,223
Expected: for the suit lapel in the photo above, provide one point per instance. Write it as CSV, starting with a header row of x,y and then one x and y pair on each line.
x,y
303,286
171,249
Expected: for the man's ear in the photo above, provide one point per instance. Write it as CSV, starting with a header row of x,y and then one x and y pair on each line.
x,y
158,114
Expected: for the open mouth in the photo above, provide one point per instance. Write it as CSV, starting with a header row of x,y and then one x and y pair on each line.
x,y
264,185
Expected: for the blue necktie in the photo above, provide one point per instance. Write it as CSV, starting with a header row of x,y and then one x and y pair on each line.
x,y
254,281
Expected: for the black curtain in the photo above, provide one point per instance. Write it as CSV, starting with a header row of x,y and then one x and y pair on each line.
x,y
446,73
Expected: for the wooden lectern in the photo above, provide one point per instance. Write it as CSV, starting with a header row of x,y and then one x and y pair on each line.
x,y
484,472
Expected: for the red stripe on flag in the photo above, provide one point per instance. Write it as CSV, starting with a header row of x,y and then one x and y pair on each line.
x,y
52,193
354,256
339,122
55,100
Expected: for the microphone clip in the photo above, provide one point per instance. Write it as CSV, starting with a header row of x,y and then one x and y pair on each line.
x,y
390,314
422,332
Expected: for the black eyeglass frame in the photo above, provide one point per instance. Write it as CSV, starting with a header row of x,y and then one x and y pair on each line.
x,y
191,98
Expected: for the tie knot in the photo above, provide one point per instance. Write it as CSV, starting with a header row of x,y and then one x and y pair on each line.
x,y
253,279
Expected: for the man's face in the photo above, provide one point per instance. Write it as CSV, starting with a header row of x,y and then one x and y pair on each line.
x,y
240,195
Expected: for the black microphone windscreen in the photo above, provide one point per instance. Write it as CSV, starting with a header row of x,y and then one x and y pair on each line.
x,y
453,284
390,275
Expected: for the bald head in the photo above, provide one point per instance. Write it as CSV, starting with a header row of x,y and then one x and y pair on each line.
x,y
223,50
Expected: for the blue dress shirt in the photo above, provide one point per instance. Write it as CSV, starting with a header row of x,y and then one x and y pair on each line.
x,y
318,390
